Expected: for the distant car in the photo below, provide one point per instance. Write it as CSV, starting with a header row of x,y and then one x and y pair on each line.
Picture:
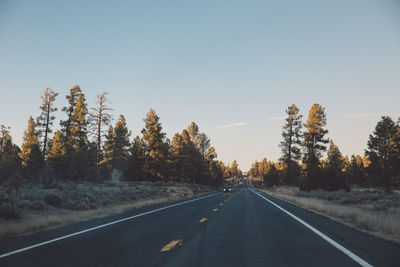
x,y
227,189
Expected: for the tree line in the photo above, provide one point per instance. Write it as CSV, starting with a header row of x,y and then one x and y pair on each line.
x,y
89,147
304,144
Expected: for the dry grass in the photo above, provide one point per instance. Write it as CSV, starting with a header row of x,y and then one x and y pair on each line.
x,y
41,208
371,211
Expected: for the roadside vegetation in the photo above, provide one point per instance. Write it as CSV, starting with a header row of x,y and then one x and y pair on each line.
x,y
371,210
40,206
312,172
93,161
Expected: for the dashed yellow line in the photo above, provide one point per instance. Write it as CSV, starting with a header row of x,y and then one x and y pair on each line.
x,y
172,245
215,209
203,220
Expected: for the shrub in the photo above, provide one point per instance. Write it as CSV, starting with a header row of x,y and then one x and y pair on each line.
x,y
52,199
38,205
8,212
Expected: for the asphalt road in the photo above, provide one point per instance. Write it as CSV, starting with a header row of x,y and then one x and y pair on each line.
x,y
237,229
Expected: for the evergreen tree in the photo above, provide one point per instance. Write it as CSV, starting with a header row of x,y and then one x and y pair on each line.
x,y
217,173
263,167
57,155
194,163
156,147
235,171
5,138
78,129
203,145
46,119
271,176
31,157
75,91
79,161
314,144
81,158
121,144
335,159
382,153
137,160
291,152
193,131
334,178
10,162
356,171
211,154
254,170
181,165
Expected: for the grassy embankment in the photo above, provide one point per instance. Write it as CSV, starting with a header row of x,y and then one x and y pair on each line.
x,y
367,209
39,207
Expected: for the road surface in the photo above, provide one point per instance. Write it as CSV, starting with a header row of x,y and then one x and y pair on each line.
x,y
238,229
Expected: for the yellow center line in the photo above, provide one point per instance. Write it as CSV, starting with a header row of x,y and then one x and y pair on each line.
x,y
215,209
172,245
203,220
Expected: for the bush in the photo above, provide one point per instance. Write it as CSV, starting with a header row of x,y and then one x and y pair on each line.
x,y
8,212
38,205
52,199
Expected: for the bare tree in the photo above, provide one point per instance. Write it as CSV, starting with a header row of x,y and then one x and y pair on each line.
x,y
99,120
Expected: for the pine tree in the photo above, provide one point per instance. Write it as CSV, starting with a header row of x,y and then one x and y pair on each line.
x,y
195,167
382,152
203,145
235,171
263,167
46,119
80,163
335,159
100,118
334,178
78,129
31,157
5,138
156,147
75,91
57,155
181,165
211,154
217,173
193,131
136,160
121,144
290,145
10,162
356,171
254,170
314,144
271,175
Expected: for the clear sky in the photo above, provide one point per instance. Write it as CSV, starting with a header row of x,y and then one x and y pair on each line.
x,y
233,67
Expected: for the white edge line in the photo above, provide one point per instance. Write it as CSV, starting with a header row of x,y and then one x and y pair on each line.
x,y
100,226
323,236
